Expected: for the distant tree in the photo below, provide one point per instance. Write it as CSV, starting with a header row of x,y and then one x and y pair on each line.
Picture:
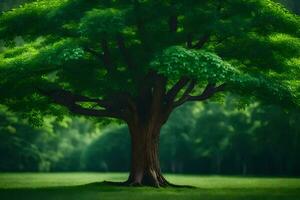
x,y
177,138
63,143
214,137
114,157
137,61
17,149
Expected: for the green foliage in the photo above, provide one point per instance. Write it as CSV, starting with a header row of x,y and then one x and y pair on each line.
x,y
253,47
19,20
102,23
177,61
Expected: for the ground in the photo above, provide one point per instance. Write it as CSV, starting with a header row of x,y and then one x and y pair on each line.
x,y
81,186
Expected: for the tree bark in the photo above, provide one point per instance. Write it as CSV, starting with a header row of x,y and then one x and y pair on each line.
x,y
145,166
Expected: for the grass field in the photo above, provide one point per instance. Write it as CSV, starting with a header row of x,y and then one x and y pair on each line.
x,y
61,186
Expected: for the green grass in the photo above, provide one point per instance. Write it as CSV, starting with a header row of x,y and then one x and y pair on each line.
x,y
43,186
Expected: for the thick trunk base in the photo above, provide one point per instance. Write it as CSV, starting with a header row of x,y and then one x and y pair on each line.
x,y
147,178
145,166
131,184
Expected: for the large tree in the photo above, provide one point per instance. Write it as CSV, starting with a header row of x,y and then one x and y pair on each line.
x,y
137,60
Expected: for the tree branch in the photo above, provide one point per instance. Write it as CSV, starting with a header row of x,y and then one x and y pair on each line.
x,y
125,52
93,52
70,97
200,43
106,55
70,101
208,92
172,93
186,94
103,57
173,23
74,108
189,41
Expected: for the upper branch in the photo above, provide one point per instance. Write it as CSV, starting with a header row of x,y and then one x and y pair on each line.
x,y
125,52
77,109
186,93
200,43
173,23
208,92
104,57
172,93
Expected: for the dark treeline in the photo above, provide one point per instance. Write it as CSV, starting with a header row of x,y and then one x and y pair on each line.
x,y
260,140
209,139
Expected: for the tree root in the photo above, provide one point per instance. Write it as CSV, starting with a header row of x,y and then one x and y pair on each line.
x,y
166,184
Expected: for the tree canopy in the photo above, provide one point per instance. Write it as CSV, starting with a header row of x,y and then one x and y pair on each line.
x,y
97,57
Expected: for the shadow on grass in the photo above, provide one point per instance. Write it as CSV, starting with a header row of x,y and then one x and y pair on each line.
x,y
87,191
96,190
109,191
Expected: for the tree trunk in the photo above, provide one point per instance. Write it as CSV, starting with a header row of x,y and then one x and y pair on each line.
x,y
145,167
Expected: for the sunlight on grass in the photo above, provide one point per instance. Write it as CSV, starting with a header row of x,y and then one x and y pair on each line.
x,y
40,180
210,182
